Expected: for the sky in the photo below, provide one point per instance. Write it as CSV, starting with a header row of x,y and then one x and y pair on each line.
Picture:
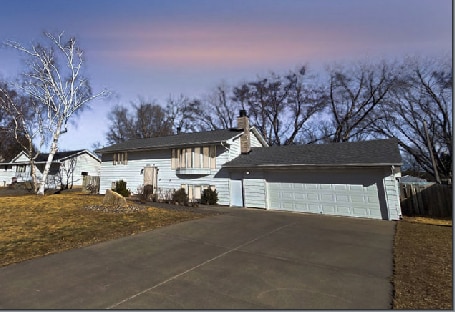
x,y
154,49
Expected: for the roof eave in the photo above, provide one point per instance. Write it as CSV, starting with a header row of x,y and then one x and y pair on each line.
x,y
312,165
151,148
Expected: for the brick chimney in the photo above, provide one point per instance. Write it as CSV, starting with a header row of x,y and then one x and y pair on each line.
x,y
243,123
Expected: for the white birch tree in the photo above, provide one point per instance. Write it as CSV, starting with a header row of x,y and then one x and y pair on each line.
x,y
55,80
26,118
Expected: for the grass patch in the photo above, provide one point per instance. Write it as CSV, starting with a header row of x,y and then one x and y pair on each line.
x,y
34,226
423,263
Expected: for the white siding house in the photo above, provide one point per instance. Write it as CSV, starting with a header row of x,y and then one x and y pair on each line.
x,y
193,161
67,167
347,179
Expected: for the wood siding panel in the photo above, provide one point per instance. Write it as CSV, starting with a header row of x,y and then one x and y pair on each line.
x,y
254,141
392,192
197,157
234,149
174,160
212,157
206,157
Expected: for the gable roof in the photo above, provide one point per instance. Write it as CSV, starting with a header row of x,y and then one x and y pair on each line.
x,y
58,157
62,156
367,153
182,139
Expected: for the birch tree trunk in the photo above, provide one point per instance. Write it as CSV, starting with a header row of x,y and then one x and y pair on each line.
x,y
50,158
55,80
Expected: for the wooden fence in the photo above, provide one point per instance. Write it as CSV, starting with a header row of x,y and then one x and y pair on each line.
x,y
91,180
426,199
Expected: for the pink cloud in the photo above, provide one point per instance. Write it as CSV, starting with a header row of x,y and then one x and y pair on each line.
x,y
233,45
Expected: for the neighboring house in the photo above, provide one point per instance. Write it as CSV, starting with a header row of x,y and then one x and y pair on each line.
x,y
66,167
412,179
349,179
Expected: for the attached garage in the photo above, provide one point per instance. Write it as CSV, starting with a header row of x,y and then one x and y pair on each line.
x,y
350,192
345,179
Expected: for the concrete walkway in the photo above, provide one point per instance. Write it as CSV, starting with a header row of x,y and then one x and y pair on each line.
x,y
244,259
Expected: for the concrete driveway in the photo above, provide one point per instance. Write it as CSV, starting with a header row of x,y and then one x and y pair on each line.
x,y
244,259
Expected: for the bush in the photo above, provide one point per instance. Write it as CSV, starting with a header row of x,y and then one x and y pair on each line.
x,y
120,187
92,188
147,192
180,196
209,197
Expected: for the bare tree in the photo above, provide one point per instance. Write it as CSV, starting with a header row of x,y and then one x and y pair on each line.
x,y
25,124
55,80
422,94
121,125
354,95
146,121
184,114
280,105
66,173
151,121
219,110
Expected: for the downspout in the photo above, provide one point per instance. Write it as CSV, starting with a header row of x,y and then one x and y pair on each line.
x,y
397,188
384,185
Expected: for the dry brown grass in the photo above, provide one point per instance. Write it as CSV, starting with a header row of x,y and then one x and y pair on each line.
x,y
423,264
34,226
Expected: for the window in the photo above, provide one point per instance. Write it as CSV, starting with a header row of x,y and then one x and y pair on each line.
x,y
194,191
194,157
20,168
120,158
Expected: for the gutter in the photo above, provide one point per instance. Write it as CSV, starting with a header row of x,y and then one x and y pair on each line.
x,y
100,151
293,166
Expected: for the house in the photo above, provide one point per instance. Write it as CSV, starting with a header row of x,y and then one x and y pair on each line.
x,y
190,160
66,167
349,179
411,179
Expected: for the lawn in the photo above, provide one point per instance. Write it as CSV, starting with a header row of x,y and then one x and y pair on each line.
x,y
34,226
423,264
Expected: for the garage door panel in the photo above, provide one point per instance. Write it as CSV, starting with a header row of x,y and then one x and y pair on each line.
x,y
359,199
342,198
327,197
315,208
358,211
309,187
372,199
341,187
328,209
300,196
287,195
358,188
334,198
344,210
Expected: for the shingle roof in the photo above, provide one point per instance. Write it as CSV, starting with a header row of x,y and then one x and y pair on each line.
x,y
181,139
367,153
57,156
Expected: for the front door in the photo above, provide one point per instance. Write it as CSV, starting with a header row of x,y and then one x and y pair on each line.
x,y
236,193
151,176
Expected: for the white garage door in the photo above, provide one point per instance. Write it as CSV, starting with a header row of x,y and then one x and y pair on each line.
x,y
326,193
